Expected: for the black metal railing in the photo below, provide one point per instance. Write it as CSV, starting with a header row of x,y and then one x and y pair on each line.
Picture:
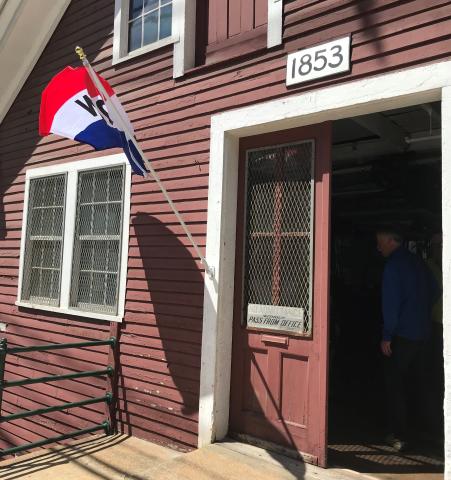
x,y
107,398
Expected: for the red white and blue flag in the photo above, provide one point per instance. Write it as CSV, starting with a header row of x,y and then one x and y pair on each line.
x,y
72,107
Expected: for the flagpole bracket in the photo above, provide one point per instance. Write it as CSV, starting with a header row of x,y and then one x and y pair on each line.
x,y
211,271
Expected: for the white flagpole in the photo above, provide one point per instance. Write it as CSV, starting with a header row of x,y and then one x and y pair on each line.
x,y
210,270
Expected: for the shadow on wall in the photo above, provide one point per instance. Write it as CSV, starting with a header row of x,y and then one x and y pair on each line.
x,y
366,9
175,285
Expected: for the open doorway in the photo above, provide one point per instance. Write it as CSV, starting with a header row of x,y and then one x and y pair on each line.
x,y
386,170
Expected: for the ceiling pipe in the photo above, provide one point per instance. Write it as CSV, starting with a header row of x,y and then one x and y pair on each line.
x,y
350,170
387,212
367,168
350,193
422,139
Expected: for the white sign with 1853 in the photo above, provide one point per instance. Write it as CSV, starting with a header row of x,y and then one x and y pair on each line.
x,y
320,61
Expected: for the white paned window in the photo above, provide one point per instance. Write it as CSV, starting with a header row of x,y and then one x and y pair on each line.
x,y
75,238
141,26
148,22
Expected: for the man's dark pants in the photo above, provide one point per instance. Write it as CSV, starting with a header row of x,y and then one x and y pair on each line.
x,y
405,368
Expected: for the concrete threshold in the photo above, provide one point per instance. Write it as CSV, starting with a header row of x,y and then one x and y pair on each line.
x,y
121,457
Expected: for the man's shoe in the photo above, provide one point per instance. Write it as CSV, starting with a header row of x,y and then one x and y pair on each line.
x,y
398,444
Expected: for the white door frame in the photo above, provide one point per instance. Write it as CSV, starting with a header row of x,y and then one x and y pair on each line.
x,y
382,92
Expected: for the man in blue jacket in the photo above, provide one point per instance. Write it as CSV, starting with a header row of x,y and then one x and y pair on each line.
x,y
408,293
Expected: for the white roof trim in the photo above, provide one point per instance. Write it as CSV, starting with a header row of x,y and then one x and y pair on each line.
x,y
25,28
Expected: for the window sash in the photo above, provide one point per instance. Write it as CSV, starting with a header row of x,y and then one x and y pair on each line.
x,y
97,240
44,240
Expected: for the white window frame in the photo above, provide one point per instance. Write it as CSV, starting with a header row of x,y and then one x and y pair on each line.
x,y
71,170
275,23
183,35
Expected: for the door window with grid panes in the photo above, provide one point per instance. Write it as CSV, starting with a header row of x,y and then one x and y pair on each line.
x,y
149,21
75,239
279,234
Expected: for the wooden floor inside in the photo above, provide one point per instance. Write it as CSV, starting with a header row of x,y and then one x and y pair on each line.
x,y
381,461
356,442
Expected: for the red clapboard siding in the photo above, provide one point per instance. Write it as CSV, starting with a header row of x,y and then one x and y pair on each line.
x,y
160,338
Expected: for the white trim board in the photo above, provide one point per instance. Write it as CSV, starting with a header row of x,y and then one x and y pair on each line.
x,y
275,23
72,169
382,92
446,265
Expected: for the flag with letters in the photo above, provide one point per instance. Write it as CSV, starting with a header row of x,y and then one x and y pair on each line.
x,y
72,107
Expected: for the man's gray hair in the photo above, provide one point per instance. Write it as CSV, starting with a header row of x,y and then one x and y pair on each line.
x,y
393,232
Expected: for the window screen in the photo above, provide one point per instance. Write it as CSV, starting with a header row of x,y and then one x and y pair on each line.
x,y
44,240
279,231
149,21
97,242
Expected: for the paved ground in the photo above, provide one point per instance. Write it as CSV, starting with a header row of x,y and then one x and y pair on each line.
x,y
126,458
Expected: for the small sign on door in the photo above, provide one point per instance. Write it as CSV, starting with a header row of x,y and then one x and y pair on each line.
x,y
275,317
319,61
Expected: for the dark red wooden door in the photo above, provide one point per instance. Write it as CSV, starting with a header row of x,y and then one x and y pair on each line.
x,y
279,362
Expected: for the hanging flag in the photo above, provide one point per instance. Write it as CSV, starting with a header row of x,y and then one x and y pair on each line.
x,y
73,107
